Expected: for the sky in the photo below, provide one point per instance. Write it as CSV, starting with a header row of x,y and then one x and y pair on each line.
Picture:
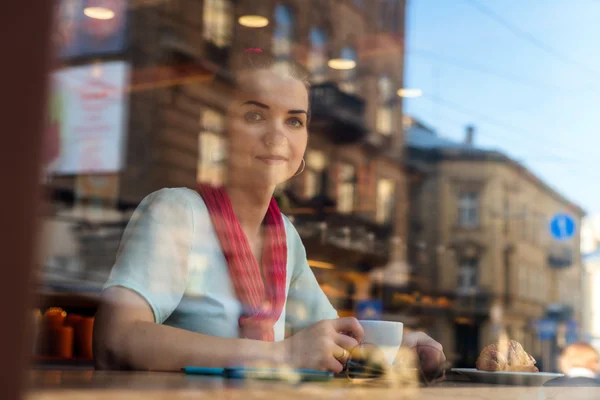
x,y
525,73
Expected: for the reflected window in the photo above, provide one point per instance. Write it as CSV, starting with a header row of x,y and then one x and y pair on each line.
x,y
536,227
318,55
467,276
385,200
468,210
346,188
543,230
388,15
218,22
283,36
349,77
522,284
315,165
524,222
506,216
385,111
211,165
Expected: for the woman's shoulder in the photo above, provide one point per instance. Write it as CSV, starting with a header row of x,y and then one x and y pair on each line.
x,y
174,204
180,196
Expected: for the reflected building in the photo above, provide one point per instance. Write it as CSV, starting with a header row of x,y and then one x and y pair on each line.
x,y
349,202
480,237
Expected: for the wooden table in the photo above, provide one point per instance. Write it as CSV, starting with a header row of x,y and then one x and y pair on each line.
x,y
100,385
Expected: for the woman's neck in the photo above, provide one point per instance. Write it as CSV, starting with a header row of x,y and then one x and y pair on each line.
x,y
250,205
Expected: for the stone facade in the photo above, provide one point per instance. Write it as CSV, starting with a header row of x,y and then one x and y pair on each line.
x,y
509,240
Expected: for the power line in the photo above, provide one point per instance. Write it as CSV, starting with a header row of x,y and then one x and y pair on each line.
x,y
531,39
521,135
484,70
586,170
552,158
538,158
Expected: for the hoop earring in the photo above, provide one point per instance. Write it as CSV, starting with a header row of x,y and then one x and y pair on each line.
x,y
303,166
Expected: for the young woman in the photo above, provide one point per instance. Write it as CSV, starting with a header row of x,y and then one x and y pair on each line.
x,y
212,277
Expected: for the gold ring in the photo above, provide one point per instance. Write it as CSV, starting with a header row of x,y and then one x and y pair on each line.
x,y
343,356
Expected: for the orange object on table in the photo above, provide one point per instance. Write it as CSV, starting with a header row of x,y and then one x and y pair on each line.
x,y
61,341
73,321
83,338
54,317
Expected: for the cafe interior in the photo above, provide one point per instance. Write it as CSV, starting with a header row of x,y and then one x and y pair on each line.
x,y
400,226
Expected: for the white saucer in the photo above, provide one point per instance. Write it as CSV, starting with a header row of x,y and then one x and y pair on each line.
x,y
507,378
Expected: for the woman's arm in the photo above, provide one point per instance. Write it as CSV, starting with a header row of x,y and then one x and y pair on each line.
x,y
147,283
126,337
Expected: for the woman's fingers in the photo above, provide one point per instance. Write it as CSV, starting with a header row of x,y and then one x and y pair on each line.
x,y
350,326
430,353
338,359
345,341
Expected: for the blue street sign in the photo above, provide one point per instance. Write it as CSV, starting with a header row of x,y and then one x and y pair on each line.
x,y
562,226
546,328
572,335
369,309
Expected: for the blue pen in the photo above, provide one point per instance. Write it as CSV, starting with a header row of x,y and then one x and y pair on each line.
x,y
273,374
204,371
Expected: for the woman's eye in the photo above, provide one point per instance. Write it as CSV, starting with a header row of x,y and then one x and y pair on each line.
x,y
296,122
253,116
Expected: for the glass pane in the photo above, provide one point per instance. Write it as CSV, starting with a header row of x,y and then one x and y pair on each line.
x,y
318,55
449,177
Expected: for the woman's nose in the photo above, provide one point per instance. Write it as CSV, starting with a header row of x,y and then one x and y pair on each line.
x,y
275,136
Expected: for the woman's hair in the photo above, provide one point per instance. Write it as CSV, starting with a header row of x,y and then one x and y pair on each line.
x,y
579,355
257,60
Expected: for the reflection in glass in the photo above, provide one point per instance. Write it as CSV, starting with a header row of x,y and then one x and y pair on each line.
x,y
211,168
283,35
318,55
348,76
218,22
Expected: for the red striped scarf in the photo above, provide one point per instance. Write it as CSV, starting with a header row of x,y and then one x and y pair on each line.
x,y
262,293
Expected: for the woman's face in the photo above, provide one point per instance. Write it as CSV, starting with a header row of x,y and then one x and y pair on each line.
x,y
267,128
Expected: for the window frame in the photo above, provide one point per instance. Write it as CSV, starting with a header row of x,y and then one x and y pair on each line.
x,y
221,38
349,78
468,264
318,73
387,216
474,207
315,171
209,170
341,186
283,59
385,105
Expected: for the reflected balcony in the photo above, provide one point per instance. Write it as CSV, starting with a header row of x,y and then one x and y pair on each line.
x,y
348,241
338,115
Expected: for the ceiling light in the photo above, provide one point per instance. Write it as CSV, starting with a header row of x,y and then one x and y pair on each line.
x,y
341,63
409,93
253,21
99,12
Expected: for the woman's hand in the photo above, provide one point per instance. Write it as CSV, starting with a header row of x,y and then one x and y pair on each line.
x,y
430,353
324,345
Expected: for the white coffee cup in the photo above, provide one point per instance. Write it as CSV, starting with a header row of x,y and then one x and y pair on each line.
x,y
387,335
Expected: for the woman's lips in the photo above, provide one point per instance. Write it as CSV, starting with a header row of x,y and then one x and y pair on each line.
x,y
272,160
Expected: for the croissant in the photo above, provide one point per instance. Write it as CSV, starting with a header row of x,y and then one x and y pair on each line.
x,y
510,357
